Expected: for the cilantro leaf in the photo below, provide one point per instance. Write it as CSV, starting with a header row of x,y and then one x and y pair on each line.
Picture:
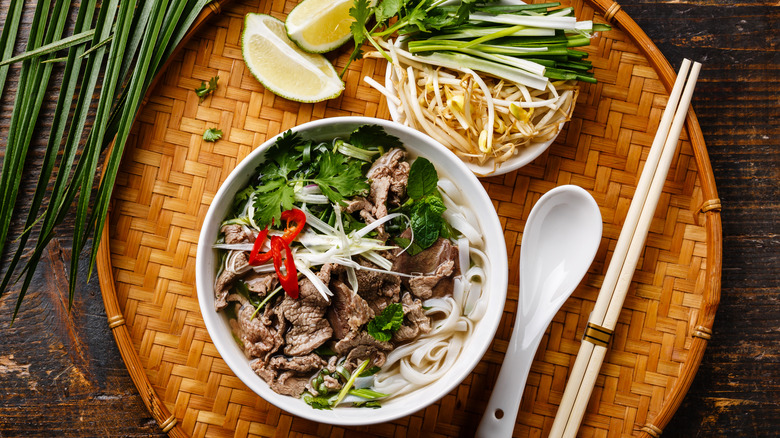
x,y
388,9
361,12
204,90
212,134
371,137
417,17
386,323
272,198
422,179
427,220
340,178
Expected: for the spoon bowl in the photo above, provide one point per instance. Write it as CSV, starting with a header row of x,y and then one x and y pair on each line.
x,y
560,239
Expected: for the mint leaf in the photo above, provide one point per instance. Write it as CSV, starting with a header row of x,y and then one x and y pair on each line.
x,y
204,90
386,323
427,220
372,137
212,135
422,179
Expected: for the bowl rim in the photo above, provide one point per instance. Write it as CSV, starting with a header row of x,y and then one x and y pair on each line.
x,y
238,363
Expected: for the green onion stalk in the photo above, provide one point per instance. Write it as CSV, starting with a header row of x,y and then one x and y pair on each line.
x,y
114,49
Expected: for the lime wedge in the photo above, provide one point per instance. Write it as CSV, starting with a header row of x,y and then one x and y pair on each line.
x,y
282,67
319,26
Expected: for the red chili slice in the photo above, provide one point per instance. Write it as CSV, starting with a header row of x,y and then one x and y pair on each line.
x,y
255,258
288,280
298,218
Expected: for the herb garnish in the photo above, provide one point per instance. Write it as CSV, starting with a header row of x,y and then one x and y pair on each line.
x,y
386,323
212,134
205,89
293,162
425,204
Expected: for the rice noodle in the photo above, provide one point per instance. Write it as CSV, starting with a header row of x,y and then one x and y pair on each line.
x,y
427,358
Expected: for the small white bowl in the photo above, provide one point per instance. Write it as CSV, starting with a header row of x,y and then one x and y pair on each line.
x,y
526,155
447,164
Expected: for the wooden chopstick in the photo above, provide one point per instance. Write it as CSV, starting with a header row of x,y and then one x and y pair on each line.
x,y
629,247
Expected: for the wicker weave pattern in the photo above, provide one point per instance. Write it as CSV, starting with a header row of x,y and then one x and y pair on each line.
x,y
170,175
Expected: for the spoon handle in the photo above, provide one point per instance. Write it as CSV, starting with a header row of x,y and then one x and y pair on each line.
x,y
499,417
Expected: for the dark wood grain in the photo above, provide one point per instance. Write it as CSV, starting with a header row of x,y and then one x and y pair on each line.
x,y
61,373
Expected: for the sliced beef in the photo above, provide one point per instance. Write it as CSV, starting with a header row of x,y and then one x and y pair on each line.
x,y
389,175
225,282
360,347
416,322
306,314
261,284
348,311
288,375
262,335
434,266
365,208
378,289
236,234
439,284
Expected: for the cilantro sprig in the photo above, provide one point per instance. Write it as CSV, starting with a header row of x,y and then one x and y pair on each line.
x,y
205,89
212,134
293,162
412,16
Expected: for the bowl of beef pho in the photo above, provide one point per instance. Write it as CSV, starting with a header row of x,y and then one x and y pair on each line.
x,y
351,264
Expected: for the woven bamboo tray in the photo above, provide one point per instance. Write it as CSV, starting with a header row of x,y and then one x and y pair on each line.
x,y
169,175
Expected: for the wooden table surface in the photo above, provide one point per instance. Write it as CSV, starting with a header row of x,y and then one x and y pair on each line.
x,y
61,373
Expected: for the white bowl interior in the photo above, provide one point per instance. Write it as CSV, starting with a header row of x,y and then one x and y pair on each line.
x,y
447,164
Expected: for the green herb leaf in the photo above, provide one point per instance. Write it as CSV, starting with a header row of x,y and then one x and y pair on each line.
x,y
240,288
212,135
367,404
205,89
413,248
339,177
427,220
388,9
318,402
373,137
386,323
422,179
370,371
272,198
361,12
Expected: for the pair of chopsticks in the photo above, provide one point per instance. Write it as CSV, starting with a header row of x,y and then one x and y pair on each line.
x,y
629,247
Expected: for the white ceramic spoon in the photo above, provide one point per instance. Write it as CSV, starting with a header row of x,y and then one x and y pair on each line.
x,y
559,242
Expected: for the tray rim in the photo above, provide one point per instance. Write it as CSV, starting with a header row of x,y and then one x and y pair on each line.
x,y
709,210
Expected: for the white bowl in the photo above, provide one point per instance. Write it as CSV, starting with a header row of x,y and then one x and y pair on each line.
x,y
447,164
526,155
